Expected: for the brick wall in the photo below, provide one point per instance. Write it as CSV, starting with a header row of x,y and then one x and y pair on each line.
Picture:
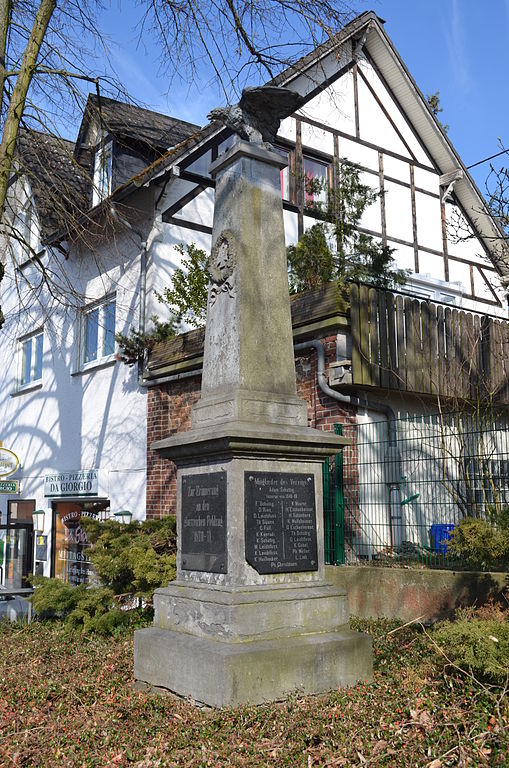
x,y
169,408
169,411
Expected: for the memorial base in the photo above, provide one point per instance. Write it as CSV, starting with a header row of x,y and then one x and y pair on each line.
x,y
227,647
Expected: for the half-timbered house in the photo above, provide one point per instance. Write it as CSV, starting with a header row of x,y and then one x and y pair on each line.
x,y
366,359
377,364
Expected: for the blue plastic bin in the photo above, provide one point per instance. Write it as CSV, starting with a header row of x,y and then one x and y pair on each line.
x,y
440,534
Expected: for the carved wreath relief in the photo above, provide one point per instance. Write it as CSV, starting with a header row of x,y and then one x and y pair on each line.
x,y
223,260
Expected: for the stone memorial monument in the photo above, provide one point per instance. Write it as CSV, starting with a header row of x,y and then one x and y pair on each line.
x,y
250,617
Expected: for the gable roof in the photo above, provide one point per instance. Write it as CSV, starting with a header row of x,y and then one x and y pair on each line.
x,y
367,31
57,182
426,125
123,120
351,30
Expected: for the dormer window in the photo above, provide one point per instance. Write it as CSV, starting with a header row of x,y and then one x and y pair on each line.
x,y
102,172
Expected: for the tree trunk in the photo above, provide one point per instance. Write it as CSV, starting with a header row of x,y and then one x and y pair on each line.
x,y
20,90
5,13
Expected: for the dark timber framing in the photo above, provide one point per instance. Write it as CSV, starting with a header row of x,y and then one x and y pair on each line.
x,y
297,151
356,100
364,143
298,197
382,197
414,218
445,246
401,110
387,115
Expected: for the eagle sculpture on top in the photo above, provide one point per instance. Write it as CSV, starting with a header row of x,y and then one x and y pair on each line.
x,y
257,116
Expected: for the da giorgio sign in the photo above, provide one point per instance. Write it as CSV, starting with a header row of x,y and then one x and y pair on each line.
x,y
84,482
9,462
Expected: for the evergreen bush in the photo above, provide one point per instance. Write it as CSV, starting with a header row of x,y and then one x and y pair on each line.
x,y
130,561
132,346
334,248
482,543
477,641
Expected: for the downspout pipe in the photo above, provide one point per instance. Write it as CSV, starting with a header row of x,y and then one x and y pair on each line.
x,y
143,279
393,469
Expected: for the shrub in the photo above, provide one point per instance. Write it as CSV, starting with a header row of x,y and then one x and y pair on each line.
x,y
133,559
481,543
54,598
97,611
134,345
334,248
186,297
130,561
478,642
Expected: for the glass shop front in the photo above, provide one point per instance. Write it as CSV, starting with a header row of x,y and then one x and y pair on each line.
x,y
71,546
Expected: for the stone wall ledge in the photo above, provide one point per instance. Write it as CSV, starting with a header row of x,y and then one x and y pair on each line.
x,y
409,594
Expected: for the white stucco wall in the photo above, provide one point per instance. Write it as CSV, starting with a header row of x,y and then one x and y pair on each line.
x,y
75,417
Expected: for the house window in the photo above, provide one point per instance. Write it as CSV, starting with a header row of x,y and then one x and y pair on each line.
x,y
316,175
102,172
99,332
285,173
31,359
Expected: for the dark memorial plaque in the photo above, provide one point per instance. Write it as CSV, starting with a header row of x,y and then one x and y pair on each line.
x,y
280,519
203,530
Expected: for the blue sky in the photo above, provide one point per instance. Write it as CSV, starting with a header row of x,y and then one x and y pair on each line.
x,y
459,47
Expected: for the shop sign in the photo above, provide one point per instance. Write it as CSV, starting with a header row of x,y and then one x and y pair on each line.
x,y
9,462
9,486
77,483
41,547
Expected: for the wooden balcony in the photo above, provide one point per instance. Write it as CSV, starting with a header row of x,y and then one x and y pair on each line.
x,y
412,345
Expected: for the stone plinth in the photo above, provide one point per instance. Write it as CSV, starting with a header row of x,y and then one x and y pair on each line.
x,y
237,450
252,645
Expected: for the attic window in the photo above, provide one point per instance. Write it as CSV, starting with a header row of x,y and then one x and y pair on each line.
x,y
102,172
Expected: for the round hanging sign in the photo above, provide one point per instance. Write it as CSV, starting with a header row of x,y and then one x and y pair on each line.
x,y
9,462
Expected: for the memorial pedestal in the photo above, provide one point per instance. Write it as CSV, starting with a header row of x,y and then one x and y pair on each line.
x,y
250,618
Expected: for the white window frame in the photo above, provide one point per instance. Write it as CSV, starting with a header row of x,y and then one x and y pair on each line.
x,y
284,174
35,343
103,168
105,337
315,197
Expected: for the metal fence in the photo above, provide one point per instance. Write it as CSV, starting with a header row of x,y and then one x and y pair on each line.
x,y
400,488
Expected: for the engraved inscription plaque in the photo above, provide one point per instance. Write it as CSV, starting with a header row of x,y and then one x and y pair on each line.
x,y
280,522
203,529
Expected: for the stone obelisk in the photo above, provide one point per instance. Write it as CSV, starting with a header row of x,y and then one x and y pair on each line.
x,y
249,617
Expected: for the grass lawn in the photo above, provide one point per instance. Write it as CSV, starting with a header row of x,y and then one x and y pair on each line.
x,y
68,700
